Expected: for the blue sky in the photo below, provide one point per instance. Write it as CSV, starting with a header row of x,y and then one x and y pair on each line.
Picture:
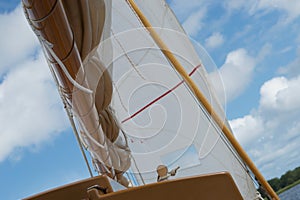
x,y
255,45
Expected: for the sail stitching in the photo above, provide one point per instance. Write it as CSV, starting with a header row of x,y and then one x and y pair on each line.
x,y
120,98
143,29
127,56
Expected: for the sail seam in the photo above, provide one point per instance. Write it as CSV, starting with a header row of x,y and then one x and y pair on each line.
x,y
127,56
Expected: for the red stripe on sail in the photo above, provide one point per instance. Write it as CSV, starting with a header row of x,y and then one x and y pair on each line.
x,y
161,96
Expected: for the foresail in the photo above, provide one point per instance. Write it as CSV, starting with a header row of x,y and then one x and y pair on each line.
x,y
162,120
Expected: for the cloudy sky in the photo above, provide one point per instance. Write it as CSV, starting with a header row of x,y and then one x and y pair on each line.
x,y
255,44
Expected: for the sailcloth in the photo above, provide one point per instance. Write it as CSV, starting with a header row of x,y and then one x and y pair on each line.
x,y
163,121
133,109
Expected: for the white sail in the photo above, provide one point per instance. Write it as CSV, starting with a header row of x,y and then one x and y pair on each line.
x,y
162,120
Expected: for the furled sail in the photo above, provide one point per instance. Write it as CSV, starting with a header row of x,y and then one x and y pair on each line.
x,y
134,108
70,33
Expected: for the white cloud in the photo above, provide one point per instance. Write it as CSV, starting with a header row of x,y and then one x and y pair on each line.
x,y
234,4
286,49
16,39
193,23
264,52
214,41
236,74
271,133
248,129
30,112
292,68
280,94
270,90
183,9
291,8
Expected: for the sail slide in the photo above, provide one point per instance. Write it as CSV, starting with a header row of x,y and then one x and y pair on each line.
x,y
133,108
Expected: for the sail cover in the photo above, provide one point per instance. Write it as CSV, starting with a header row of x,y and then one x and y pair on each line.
x,y
133,109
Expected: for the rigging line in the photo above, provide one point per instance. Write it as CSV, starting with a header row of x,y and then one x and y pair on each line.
x,y
48,46
68,112
79,142
160,97
70,116
223,138
138,170
134,161
64,69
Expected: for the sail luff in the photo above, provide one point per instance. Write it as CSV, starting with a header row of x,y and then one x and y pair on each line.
x,y
201,98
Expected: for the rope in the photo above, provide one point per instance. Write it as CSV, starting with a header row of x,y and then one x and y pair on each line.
x,y
48,46
61,92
